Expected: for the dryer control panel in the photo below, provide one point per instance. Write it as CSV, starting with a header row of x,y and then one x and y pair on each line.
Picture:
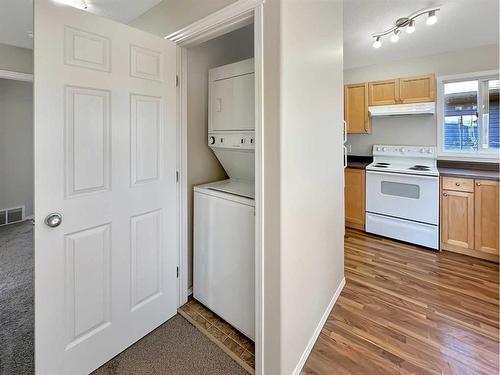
x,y
231,140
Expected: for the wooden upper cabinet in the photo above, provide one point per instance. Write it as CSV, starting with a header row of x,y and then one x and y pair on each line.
x,y
356,108
383,92
355,198
417,89
457,220
486,212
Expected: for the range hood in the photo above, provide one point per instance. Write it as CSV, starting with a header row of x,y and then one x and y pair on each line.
x,y
403,109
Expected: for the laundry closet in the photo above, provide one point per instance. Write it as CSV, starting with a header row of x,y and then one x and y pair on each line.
x,y
221,177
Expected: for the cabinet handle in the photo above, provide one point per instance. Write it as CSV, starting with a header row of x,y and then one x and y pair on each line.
x,y
445,194
478,184
457,183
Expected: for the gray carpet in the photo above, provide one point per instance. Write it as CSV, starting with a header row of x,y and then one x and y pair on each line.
x,y
16,299
175,348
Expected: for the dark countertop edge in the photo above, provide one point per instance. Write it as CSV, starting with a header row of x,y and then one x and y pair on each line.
x,y
358,162
469,173
469,169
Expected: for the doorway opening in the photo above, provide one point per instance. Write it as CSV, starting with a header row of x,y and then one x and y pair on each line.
x,y
16,223
220,174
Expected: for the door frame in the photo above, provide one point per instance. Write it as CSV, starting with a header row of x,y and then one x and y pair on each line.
x,y
230,18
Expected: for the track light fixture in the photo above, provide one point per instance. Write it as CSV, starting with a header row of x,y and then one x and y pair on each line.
x,y
407,23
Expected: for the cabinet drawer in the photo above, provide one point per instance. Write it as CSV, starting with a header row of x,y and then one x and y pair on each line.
x,y
458,184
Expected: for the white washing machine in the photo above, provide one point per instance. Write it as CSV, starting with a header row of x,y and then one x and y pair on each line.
x,y
224,252
224,211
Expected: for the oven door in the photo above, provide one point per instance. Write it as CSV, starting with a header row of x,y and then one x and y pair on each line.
x,y
405,196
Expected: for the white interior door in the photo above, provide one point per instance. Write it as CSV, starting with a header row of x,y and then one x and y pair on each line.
x,y
105,159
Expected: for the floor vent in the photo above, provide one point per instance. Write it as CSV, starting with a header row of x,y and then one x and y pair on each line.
x,y
11,215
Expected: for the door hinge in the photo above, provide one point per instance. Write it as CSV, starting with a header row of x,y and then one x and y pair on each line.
x,y
176,81
177,271
177,176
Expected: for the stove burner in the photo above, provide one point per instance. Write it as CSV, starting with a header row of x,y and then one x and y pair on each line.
x,y
381,165
420,168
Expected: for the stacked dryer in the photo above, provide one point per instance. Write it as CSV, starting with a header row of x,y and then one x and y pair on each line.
x,y
224,211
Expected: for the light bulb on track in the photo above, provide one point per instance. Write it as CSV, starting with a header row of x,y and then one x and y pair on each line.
x,y
411,27
432,19
377,43
395,36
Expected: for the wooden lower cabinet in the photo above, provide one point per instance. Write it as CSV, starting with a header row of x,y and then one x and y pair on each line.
x,y
457,220
486,225
355,198
469,217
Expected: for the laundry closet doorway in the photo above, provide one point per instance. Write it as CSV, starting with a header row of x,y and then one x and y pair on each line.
x,y
228,36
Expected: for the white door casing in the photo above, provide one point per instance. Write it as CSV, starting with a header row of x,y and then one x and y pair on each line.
x,y
105,158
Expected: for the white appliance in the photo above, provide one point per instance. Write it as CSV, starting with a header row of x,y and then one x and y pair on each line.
x,y
224,211
402,109
402,194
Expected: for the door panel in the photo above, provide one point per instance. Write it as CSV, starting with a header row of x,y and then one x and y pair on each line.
x,y
356,108
457,219
87,142
355,198
88,283
417,89
105,158
486,212
384,92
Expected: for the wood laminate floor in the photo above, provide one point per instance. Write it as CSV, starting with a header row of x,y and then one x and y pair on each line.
x,y
407,310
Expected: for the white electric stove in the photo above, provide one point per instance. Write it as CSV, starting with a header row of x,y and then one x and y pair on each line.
x,y
402,194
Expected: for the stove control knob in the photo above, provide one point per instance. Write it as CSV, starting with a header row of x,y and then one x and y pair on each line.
x,y
429,151
384,149
378,148
211,140
402,149
422,150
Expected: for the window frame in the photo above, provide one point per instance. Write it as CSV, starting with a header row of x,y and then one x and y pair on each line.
x,y
491,155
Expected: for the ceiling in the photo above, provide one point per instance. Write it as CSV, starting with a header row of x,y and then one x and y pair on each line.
x,y
16,17
461,24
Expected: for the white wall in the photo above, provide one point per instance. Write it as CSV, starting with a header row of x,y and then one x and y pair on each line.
x,y
312,219
203,166
16,59
172,15
16,144
413,130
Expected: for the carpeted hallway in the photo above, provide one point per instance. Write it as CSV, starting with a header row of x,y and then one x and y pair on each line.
x,y
175,348
16,299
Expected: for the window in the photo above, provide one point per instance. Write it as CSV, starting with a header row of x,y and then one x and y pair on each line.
x,y
469,116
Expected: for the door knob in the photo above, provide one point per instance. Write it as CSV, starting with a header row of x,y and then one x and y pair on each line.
x,y
53,220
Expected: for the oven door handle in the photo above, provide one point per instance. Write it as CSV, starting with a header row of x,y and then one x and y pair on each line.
x,y
396,174
345,156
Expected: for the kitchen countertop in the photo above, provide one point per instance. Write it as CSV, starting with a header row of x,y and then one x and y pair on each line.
x,y
358,162
461,169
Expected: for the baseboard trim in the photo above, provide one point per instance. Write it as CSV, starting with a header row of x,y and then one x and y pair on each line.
x,y
318,329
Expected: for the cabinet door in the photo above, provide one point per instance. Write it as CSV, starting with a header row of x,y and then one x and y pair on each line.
x,y
417,89
383,92
486,212
457,220
356,108
355,198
